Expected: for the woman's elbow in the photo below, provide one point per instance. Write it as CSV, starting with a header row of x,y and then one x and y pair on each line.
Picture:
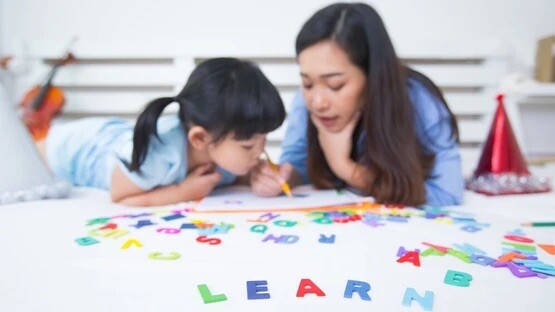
x,y
451,200
444,198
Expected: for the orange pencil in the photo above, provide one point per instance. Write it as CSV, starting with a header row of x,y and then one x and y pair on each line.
x,y
284,186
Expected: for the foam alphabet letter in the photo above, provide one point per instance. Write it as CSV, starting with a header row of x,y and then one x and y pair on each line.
x,y
207,297
288,239
130,242
519,239
265,217
115,233
210,241
327,240
86,241
482,260
362,288
257,289
276,239
285,223
432,251
109,226
459,254
425,302
457,278
98,221
259,228
159,256
168,230
410,256
306,286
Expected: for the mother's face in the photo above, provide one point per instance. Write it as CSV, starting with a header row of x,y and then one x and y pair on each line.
x,y
332,85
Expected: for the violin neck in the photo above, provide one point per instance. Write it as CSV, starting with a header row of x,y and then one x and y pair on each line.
x,y
50,76
37,103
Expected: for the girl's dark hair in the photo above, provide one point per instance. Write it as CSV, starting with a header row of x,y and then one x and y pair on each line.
x,y
398,162
222,95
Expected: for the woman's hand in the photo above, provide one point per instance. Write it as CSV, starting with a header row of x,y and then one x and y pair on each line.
x,y
265,180
337,146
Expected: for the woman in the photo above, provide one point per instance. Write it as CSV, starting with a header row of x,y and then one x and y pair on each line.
x,y
364,119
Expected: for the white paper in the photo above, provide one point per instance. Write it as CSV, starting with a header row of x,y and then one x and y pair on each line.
x,y
241,198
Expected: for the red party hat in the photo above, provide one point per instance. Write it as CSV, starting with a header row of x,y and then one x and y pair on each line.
x,y
502,169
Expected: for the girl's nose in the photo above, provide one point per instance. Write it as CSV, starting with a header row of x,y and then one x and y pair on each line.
x,y
257,152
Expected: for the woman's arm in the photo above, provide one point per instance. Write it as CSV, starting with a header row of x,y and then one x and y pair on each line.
x,y
294,145
446,189
355,175
445,183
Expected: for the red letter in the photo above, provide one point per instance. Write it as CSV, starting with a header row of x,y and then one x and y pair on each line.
x,y
210,241
306,286
410,256
519,239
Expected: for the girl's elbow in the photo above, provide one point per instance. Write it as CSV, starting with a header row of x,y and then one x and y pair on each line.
x,y
116,197
128,200
135,202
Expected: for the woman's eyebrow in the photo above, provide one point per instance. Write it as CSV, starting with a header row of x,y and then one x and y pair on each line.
x,y
327,75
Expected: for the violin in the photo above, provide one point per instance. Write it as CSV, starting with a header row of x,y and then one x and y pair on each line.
x,y
44,102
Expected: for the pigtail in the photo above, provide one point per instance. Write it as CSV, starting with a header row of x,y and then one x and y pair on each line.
x,y
145,127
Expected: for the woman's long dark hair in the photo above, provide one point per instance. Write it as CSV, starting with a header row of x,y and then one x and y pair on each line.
x,y
398,162
222,95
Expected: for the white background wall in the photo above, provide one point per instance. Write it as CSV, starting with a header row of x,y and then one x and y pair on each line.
x,y
249,27
210,24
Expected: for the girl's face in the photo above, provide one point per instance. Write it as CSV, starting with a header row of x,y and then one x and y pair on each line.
x,y
332,85
237,156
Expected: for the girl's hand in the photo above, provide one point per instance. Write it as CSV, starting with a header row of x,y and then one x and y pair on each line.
x,y
265,180
337,146
200,181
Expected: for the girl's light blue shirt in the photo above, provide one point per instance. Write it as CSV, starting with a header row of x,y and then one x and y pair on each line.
x,y
432,122
85,153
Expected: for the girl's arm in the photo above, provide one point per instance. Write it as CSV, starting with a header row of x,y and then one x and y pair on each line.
x,y
264,180
196,185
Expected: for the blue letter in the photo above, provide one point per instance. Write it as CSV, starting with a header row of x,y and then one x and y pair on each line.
x,y
255,287
425,302
362,288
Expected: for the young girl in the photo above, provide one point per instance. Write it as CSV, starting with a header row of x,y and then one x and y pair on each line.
x,y
364,119
225,110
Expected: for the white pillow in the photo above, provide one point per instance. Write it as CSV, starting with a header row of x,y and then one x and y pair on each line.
x,y
23,173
